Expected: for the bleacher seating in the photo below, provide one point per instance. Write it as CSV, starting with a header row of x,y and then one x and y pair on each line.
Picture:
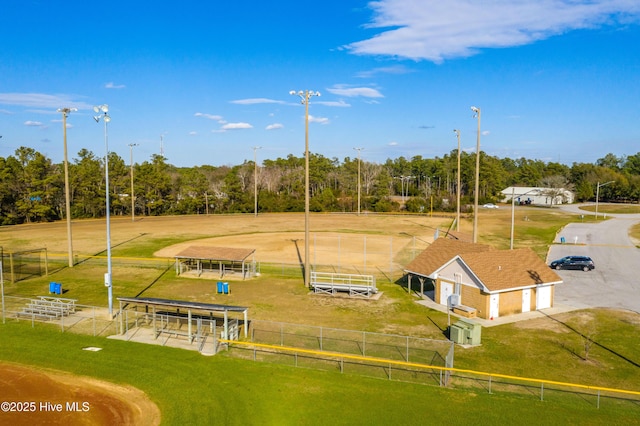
x,y
354,284
48,308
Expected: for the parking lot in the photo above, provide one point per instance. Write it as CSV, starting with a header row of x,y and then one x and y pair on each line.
x,y
615,281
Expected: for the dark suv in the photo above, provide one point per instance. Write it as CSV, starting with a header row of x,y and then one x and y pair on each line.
x,y
573,262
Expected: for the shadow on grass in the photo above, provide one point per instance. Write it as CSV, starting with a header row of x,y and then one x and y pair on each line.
x,y
299,258
619,355
151,284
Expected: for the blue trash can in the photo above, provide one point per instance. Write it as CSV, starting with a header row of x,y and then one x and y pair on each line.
x,y
58,289
52,287
562,240
225,287
219,287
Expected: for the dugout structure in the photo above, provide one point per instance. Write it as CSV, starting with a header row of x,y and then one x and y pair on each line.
x,y
202,261
195,322
24,264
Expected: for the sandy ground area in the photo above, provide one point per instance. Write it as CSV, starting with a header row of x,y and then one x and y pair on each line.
x,y
36,396
288,247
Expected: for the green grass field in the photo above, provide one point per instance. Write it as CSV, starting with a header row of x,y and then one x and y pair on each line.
x,y
191,388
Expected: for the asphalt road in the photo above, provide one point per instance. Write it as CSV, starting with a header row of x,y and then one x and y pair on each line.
x,y
615,281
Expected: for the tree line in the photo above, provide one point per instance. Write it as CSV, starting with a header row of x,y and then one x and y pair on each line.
x,y
32,187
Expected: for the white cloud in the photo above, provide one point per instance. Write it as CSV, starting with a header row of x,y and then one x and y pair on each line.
x,y
41,100
350,92
4,111
217,118
193,133
340,104
253,101
274,126
112,85
236,126
30,123
321,120
397,70
434,30
393,143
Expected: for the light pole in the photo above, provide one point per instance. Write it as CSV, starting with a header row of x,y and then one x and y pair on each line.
x,y
477,183
457,132
133,200
65,113
513,210
255,180
305,96
598,186
103,112
358,149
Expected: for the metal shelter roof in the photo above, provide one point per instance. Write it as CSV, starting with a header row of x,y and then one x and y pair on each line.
x,y
215,253
183,304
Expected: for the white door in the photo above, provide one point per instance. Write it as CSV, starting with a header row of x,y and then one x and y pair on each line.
x,y
526,300
494,306
543,300
446,290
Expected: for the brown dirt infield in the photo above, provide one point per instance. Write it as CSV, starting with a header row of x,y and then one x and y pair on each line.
x,y
98,402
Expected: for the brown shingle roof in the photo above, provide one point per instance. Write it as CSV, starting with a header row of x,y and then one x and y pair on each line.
x,y
440,252
506,269
215,253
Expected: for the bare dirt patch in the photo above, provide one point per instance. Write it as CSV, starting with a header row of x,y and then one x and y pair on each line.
x,y
324,247
274,236
83,400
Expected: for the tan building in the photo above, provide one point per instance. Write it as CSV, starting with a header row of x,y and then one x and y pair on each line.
x,y
477,280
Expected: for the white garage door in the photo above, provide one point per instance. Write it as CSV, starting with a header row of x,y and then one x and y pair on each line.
x,y
543,298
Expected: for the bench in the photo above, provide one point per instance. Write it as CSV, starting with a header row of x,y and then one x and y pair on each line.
x,y
353,290
332,283
48,308
465,311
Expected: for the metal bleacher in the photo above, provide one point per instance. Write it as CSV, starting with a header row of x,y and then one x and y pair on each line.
x,y
354,284
48,308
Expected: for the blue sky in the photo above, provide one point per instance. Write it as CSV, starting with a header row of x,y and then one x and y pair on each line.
x,y
205,81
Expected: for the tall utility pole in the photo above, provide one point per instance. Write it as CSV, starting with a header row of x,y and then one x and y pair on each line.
x,y
598,186
103,113
457,132
358,149
477,183
305,95
65,112
133,199
255,180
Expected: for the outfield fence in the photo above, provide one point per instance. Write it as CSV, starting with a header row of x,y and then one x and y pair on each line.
x,y
430,374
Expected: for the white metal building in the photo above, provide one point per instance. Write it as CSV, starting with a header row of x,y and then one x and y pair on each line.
x,y
537,195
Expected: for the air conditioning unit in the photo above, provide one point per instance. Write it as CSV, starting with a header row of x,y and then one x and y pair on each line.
x,y
457,334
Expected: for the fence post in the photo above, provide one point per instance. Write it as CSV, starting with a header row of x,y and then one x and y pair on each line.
x,y
489,385
407,348
542,391
364,343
